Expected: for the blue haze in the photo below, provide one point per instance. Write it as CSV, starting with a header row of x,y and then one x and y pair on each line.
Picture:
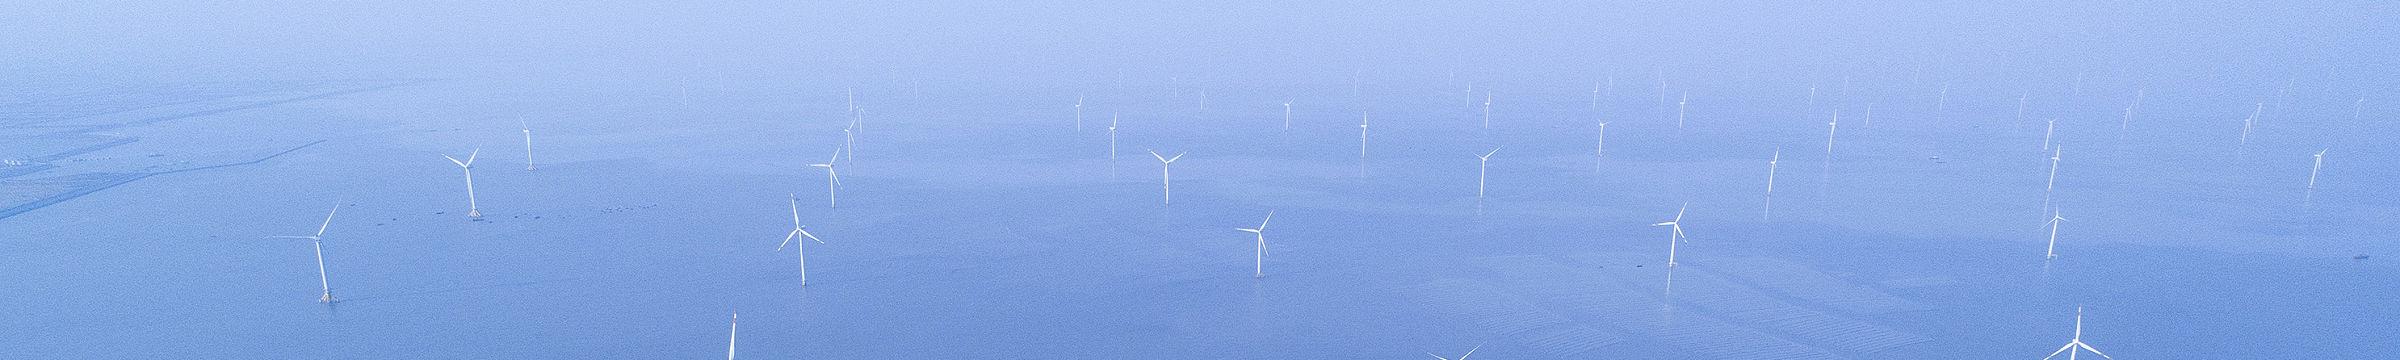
x,y
160,142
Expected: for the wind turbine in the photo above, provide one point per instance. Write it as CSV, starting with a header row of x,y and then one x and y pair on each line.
x,y
1112,136
1078,112
849,138
831,178
2021,106
2076,345
1287,114
1470,352
1362,135
2253,118
1166,179
2046,131
1830,126
1258,265
2312,169
1595,96
2052,251
2053,182
1778,157
1687,97
1870,120
468,166
319,241
1673,236
1941,102
1601,148
1480,161
733,333
799,231
528,143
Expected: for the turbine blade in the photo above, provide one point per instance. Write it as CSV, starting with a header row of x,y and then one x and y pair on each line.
x,y
292,237
1495,150
837,155
471,156
804,233
1436,356
1254,231
1262,225
787,239
328,220
1154,153
1178,156
1471,352
2094,351
454,160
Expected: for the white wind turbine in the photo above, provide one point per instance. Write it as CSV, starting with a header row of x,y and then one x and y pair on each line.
x,y
468,166
1870,118
1112,138
733,333
2052,251
1676,235
1771,162
849,139
2053,182
2075,344
1166,179
319,241
1470,352
799,231
1600,148
528,143
1941,102
1362,135
2312,169
1078,112
1287,114
1687,97
1830,126
1480,162
832,179
1258,265
2021,106
2046,131
2246,122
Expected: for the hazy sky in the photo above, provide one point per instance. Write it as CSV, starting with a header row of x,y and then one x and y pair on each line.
x,y
1231,41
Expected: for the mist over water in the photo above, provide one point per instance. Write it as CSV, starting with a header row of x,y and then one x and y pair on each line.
x,y
153,146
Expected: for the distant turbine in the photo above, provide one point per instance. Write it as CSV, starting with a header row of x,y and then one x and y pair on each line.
x,y
1287,114
2046,131
1870,120
2357,107
733,333
1679,106
2079,82
1771,162
319,241
1600,149
1812,97
2052,251
799,231
1676,235
1830,126
849,139
1112,136
1480,161
1166,179
468,166
528,143
1078,112
2253,118
2312,169
1942,102
1258,265
2021,107
1595,96
1470,352
2076,345
2125,121
832,179
1362,135
2053,183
